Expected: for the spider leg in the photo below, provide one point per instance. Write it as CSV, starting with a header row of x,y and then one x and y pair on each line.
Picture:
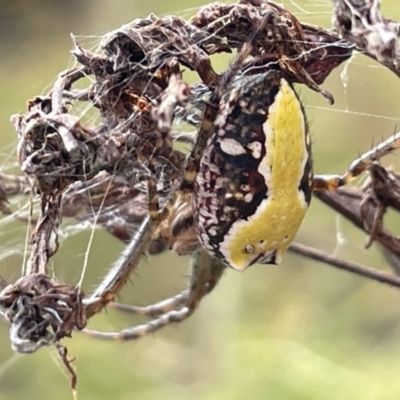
x,y
206,272
156,213
330,182
115,280
154,310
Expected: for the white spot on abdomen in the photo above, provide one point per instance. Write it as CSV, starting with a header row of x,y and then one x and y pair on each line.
x,y
231,147
255,148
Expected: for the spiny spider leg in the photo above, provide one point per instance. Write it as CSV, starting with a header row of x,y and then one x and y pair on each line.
x,y
331,182
128,261
120,273
157,309
206,272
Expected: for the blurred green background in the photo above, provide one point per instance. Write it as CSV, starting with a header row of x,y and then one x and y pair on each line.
x,y
300,331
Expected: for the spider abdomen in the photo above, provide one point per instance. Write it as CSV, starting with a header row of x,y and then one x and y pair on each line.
x,y
255,178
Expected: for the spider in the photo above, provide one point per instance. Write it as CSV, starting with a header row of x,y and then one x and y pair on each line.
x,y
247,186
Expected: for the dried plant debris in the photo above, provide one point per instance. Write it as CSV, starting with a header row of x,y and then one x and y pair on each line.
x,y
100,171
42,311
360,22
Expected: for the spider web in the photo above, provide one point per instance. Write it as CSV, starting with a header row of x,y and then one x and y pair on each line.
x,y
363,114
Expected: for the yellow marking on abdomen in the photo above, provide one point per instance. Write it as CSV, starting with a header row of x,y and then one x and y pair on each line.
x,y
277,219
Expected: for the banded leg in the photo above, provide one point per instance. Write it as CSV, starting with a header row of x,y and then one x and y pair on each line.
x,y
154,310
358,166
156,213
206,272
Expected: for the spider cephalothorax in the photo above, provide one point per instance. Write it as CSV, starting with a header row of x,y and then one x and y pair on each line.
x,y
255,180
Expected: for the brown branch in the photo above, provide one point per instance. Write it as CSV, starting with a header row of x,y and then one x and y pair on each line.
x,y
366,208
370,273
